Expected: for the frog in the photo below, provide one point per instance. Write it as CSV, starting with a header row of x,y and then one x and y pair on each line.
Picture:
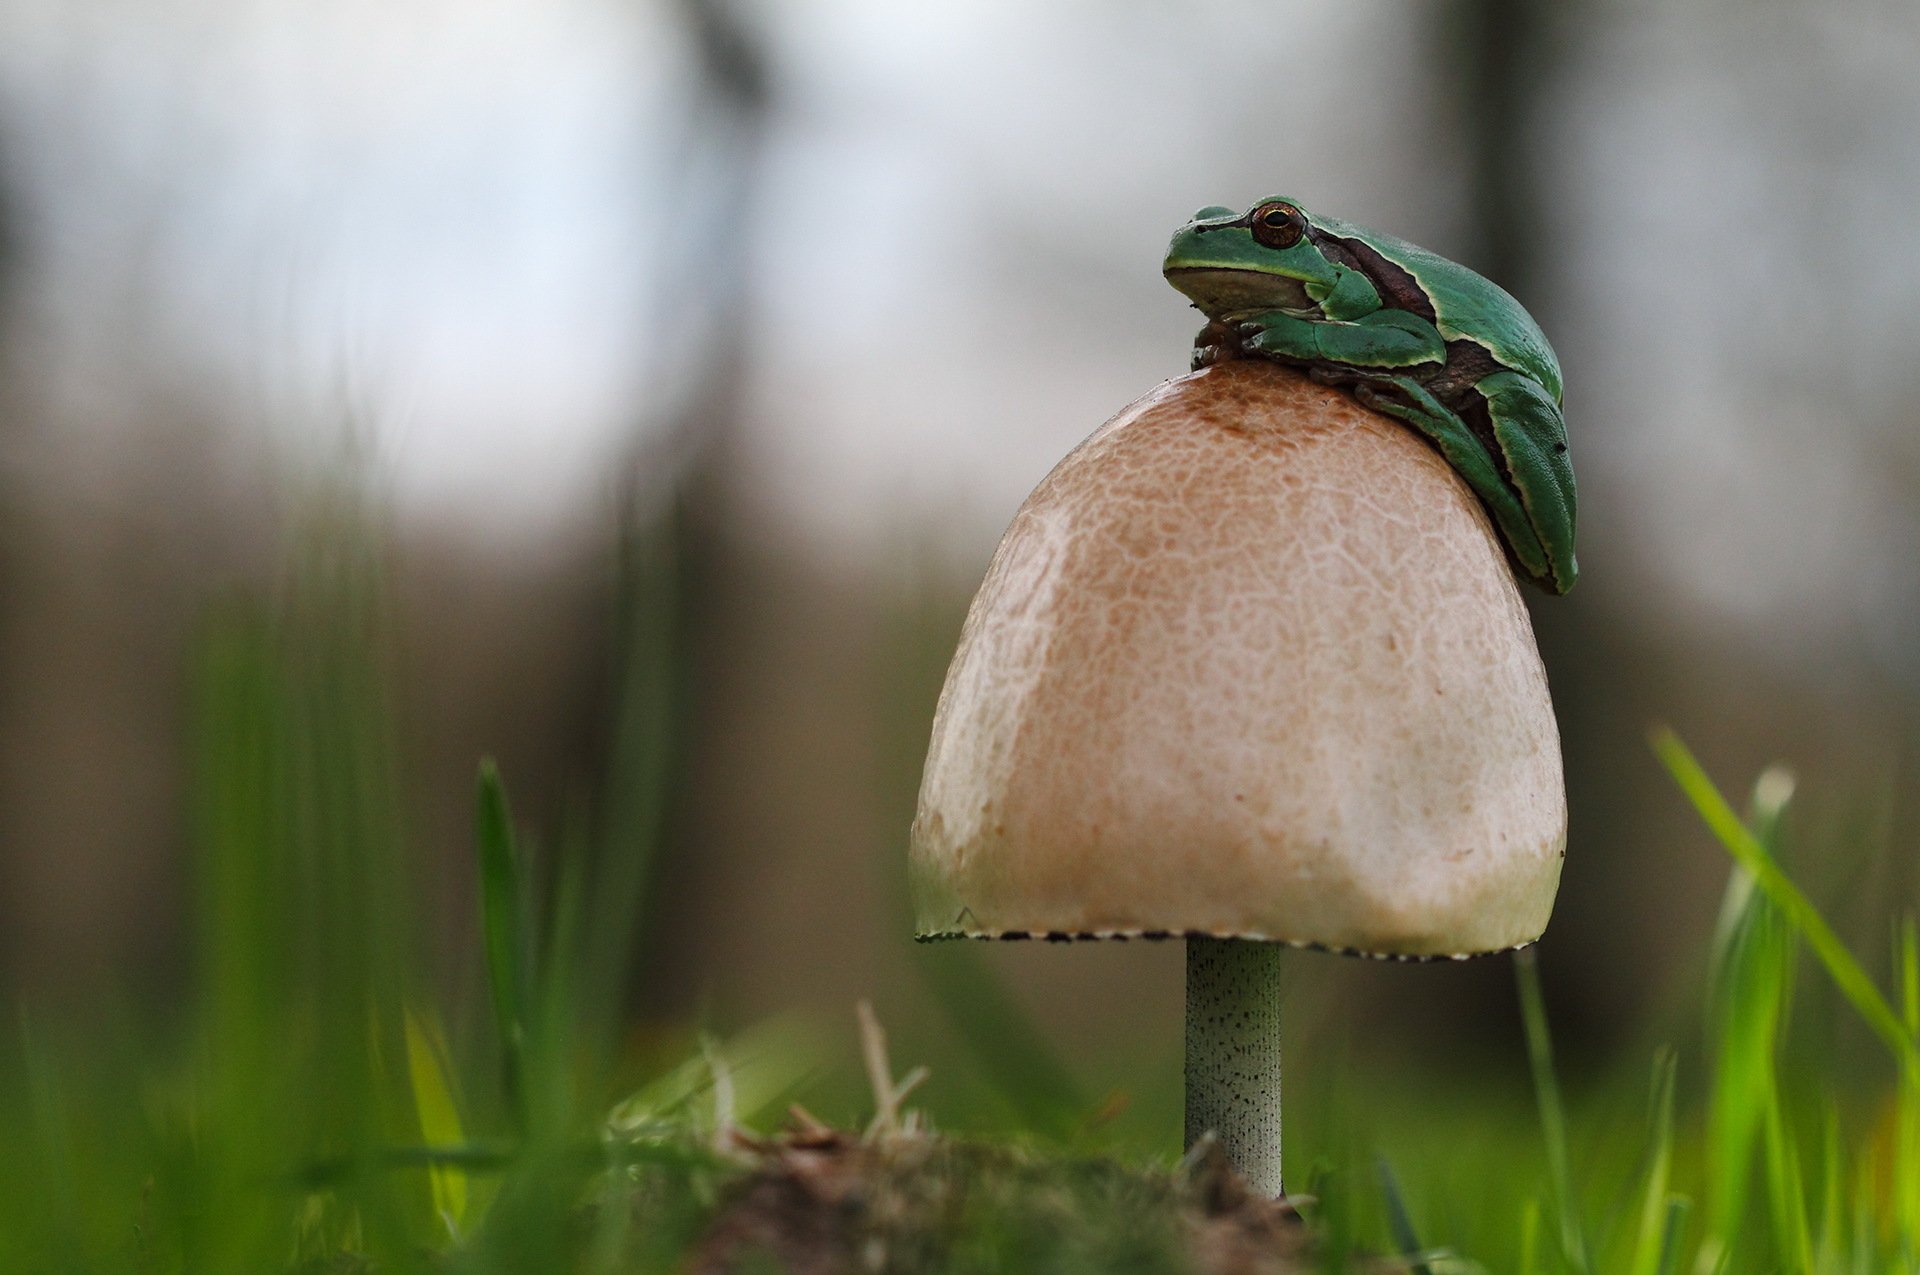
x,y
1407,333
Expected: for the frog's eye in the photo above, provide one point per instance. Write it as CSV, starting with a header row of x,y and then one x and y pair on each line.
x,y
1278,225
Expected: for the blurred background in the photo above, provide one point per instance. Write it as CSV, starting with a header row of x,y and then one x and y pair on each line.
x,y
699,352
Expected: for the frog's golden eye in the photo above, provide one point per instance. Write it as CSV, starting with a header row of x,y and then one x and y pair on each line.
x,y
1278,225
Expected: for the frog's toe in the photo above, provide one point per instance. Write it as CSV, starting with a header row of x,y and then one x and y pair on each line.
x,y
1251,336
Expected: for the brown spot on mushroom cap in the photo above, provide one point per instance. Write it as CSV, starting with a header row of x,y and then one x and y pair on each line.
x,y
1248,662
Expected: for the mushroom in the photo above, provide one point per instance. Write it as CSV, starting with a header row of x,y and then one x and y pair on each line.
x,y
1248,668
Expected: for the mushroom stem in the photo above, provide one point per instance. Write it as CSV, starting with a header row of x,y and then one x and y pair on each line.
x,y
1233,1054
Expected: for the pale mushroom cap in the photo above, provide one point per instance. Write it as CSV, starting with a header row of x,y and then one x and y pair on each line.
x,y
1249,662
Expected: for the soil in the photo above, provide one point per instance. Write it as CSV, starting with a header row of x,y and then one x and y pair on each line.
x,y
820,1201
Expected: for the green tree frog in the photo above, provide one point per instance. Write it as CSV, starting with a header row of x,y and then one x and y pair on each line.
x,y
1407,333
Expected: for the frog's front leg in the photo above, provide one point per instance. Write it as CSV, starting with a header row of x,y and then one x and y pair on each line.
x,y
1406,399
1383,339
1212,344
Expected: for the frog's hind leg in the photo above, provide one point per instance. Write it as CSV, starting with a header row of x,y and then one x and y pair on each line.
x,y
1406,399
1532,436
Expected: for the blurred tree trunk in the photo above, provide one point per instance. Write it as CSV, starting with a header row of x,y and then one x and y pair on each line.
x,y
1511,58
1514,60
11,249
673,632
1510,55
10,427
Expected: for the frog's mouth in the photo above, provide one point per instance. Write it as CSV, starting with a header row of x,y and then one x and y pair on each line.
x,y
1223,290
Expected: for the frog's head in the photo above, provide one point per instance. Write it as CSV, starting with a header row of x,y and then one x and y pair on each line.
x,y
1263,259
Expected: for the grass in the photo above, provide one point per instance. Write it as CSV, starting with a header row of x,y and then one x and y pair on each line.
x,y
325,1105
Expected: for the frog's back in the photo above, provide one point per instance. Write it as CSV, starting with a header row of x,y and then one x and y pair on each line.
x,y
1468,305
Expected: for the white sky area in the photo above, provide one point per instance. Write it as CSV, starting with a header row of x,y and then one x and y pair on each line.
x,y
446,218
427,215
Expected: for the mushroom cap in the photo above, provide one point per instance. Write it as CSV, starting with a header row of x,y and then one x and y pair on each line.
x,y
1249,663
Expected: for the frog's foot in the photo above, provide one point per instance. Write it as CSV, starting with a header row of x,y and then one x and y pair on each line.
x,y
1257,339
1213,344
1370,395
1245,333
1346,378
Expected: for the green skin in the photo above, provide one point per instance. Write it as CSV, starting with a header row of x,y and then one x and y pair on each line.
x,y
1407,333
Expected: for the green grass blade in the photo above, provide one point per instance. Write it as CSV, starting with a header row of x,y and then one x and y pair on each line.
x,y
1799,911
554,1032
1792,1235
1865,1231
642,753
1672,1244
1652,1234
1749,1004
307,922
1750,988
503,915
765,1064
1553,1114
439,1115
1906,1149
1399,1221
1833,1210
